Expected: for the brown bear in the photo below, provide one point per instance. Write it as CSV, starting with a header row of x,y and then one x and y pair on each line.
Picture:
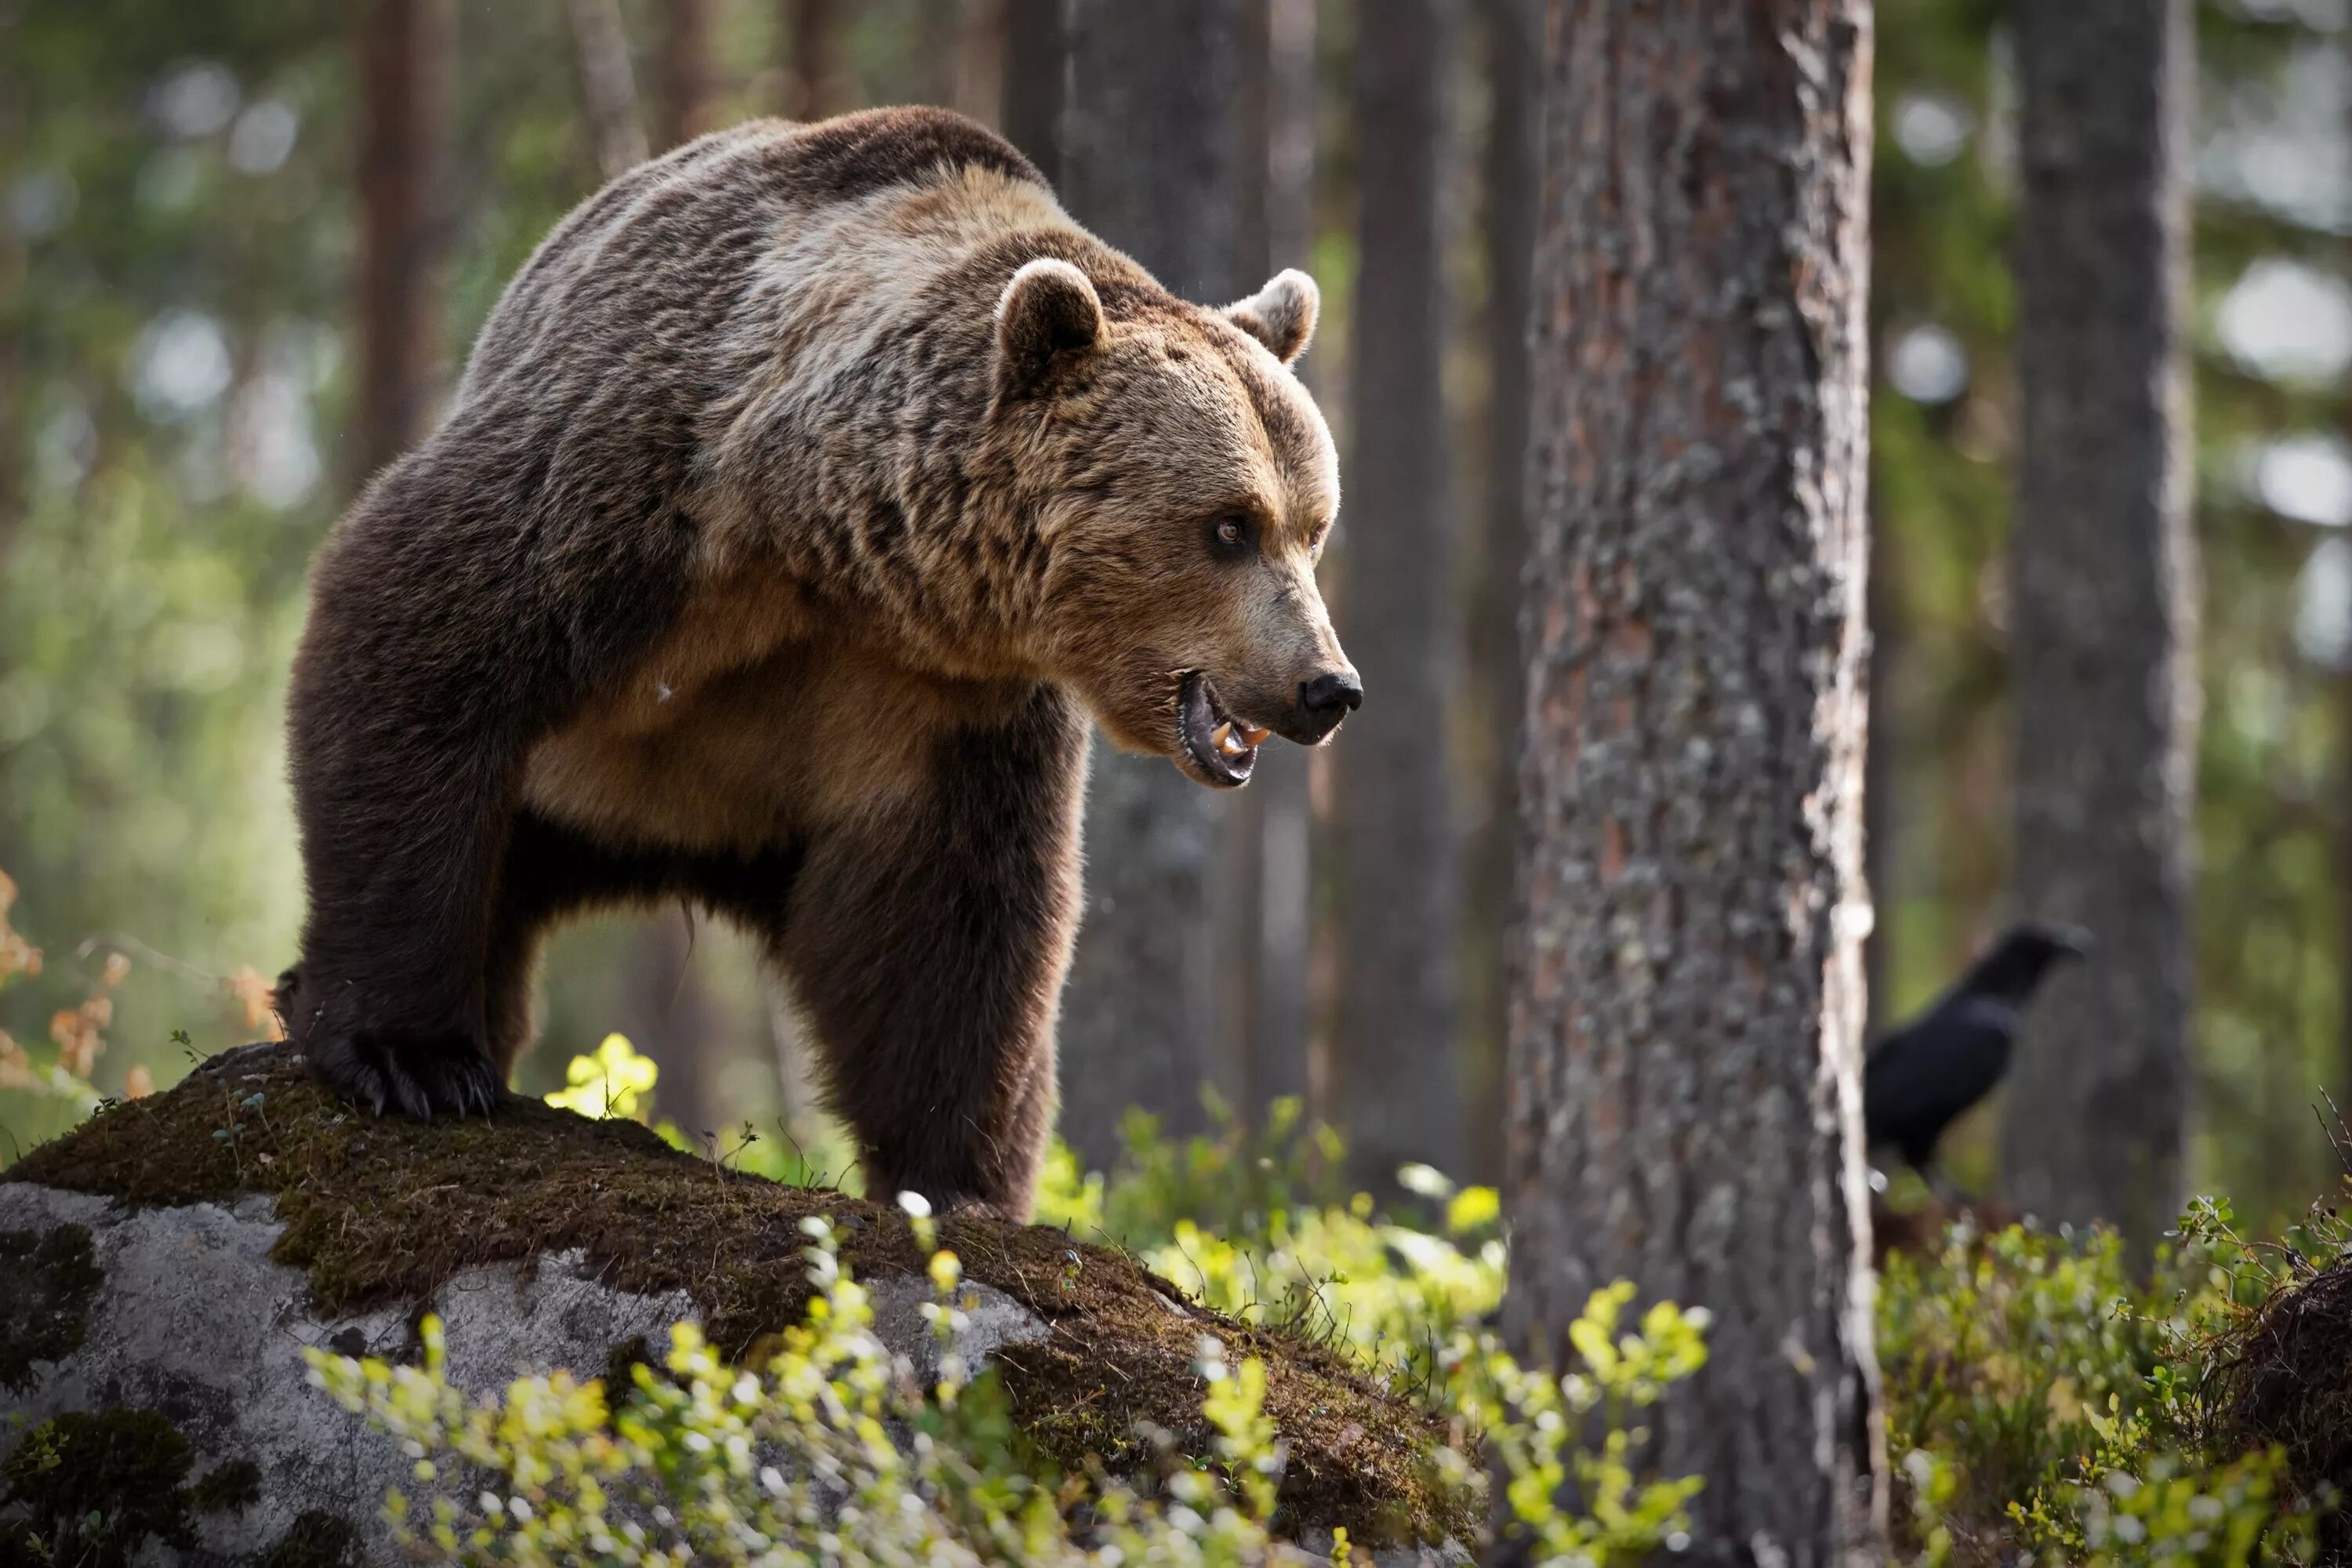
x,y
804,493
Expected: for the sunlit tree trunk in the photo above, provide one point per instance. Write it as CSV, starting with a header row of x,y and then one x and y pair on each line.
x,y
1684,1077
608,88
1148,163
1396,1065
2103,639
404,59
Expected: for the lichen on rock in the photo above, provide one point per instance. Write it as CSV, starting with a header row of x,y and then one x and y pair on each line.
x,y
46,1281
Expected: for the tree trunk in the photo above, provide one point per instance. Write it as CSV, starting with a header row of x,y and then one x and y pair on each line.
x,y
812,87
1881,820
669,1015
2102,568
1263,866
1036,82
1513,46
2342,1088
1395,1065
403,65
1684,1077
1148,164
684,70
608,88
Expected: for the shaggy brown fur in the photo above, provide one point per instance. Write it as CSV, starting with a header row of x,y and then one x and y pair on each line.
x,y
805,492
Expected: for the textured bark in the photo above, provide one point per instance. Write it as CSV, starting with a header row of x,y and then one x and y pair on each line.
x,y
1148,162
1512,45
1685,1084
403,48
1262,896
1037,76
684,70
608,88
1396,1066
2102,567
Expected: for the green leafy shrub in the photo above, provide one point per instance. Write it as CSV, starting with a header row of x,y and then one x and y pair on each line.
x,y
828,1452
2043,1402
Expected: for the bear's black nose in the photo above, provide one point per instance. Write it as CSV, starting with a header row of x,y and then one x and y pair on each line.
x,y
1329,697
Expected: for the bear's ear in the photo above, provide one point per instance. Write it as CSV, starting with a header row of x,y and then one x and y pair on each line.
x,y
1048,310
1282,314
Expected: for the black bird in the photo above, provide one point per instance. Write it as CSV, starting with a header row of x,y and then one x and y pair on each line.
x,y
1918,1080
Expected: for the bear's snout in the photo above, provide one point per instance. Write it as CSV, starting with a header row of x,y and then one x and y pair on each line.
x,y
1323,699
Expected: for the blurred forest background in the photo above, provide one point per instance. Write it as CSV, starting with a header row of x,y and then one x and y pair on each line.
x,y
243,247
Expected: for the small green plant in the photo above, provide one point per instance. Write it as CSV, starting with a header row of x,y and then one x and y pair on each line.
x,y
614,1081
1393,1296
1234,1180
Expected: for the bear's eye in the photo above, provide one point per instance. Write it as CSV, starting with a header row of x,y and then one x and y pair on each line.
x,y
1232,534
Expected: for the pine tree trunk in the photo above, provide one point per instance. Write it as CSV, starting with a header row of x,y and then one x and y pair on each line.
x,y
1685,1095
1284,1021
669,1013
1148,162
1036,68
1261,872
812,87
2103,635
608,88
1881,818
2342,1086
1512,45
963,55
683,68
403,48
1396,1066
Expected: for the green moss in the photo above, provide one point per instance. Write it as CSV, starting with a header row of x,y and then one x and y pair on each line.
x,y
47,1279
95,1487
381,1211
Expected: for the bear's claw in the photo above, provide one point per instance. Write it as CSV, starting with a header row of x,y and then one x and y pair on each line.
x,y
415,1076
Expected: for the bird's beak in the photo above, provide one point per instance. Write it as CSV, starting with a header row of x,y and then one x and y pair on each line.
x,y
2075,941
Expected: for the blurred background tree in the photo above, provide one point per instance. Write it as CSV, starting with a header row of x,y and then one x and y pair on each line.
x,y
185,241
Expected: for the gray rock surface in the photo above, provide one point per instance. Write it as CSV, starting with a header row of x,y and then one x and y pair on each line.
x,y
194,1321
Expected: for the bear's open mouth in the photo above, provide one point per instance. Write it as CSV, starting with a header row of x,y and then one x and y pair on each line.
x,y
1221,748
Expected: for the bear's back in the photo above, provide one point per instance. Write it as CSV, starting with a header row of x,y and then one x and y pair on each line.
x,y
643,281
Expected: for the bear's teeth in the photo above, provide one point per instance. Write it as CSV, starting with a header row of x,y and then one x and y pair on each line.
x,y
1253,735
1223,738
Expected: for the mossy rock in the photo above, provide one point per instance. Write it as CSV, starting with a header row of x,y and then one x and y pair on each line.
x,y
380,1215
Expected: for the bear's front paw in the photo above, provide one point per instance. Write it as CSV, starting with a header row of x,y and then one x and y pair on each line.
x,y
417,1074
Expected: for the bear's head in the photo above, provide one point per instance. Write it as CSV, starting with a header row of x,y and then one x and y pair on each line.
x,y
1184,484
